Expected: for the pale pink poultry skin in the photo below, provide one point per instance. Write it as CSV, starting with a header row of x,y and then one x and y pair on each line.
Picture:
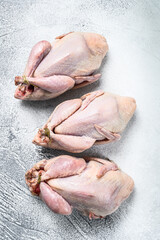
x,y
52,69
94,186
95,118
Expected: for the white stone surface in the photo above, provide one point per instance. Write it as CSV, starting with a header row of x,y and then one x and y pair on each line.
x,y
132,67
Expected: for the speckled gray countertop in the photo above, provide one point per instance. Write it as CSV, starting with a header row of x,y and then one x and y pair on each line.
x,y
132,67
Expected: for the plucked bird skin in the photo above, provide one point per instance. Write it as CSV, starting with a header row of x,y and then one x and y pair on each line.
x,y
95,118
69,62
94,186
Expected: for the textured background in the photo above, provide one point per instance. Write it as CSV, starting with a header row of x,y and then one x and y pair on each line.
x,y
132,67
